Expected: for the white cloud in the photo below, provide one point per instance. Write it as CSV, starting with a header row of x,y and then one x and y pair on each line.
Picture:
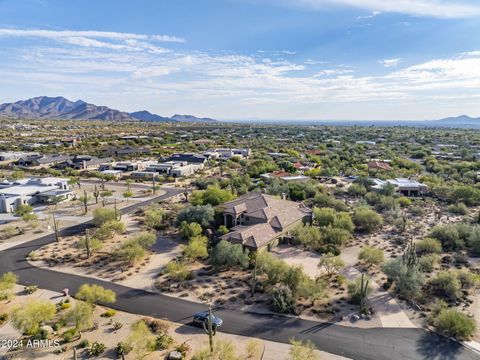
x,y
135,71
58,34
390,62
431,8
371,16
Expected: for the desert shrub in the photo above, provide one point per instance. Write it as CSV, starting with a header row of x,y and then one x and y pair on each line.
x,y
70,335
178,271
404,201
473,240
334,236
428,246
103,215
94,294
23,209
282,300
331,264
154,218
145,239
446,285
29,316
371,255
354,290
451,322
202,214
253,349
109,313
309,236
163,341
302,350
324,216
467,278
157,326
366,220
130,251
448,236
84,344
426,263
96,348
344,221
273,267
222,350
408,280
190,230
7,285
30,289
228,255
459,209
196,248
122,348
213,196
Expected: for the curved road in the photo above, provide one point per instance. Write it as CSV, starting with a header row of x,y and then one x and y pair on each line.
x,y
355,343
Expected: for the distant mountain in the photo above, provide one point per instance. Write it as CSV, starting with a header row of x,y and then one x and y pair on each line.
x,y
44,107
148,116
190,118
462,120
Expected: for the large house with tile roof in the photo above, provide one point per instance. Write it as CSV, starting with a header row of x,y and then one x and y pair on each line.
x,y
259,221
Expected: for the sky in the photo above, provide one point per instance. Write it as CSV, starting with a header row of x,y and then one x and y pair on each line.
x,y
248,59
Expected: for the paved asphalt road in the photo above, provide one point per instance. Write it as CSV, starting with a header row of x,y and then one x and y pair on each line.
x,y
355,343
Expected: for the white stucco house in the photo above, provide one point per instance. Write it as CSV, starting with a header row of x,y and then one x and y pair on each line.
x,y
33,191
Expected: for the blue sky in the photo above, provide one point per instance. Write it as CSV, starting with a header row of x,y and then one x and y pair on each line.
x,y
248,59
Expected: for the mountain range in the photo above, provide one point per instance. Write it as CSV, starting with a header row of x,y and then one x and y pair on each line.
x,y
44,107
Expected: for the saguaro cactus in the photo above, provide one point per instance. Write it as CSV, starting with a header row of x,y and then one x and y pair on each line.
x,y
210,329
96,194
409,257
363,295
55,227
118,214
87,243
85,201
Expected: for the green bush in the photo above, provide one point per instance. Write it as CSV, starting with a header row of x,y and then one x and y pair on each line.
x,y
354,290
429,245
448,236
458,209
122,348
446,285
366,220
282,300
163,341
30,289
70,335
109,313
451,322
408,280
371,255
228,255
426,263
178,271
96,348
84,344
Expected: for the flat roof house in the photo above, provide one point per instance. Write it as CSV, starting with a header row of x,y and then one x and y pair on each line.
x,y
403,186
33,191
40,161
258,220
187,157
